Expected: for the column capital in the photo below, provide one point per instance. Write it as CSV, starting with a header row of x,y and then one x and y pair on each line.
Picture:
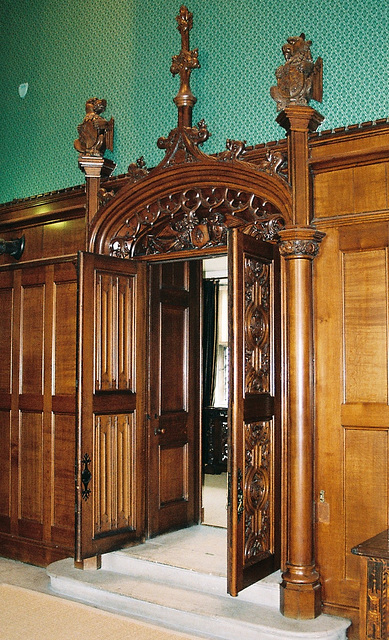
x,y
300,242
299,118
96,166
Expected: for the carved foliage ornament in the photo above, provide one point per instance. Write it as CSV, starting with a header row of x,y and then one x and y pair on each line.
x,y
258,435
182,144
137,170
195,219
300,248
257,323
257,490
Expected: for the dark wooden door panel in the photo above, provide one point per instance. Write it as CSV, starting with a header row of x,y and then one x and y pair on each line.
x,y
110,446
37,410
174,343
254,473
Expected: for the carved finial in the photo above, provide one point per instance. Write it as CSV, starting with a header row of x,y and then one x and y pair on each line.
x,y
299,79
137,170
95,134
183,64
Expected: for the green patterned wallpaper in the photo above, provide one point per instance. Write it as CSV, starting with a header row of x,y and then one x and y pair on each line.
x,y
121,50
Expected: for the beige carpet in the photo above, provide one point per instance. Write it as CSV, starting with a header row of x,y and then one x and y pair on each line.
x,y
29,615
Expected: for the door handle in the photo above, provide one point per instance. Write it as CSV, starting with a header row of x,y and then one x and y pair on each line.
x,y
159,431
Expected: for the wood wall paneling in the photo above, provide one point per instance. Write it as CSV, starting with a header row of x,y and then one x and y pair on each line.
x,y
6,306
64,356
31,472
38,448
62,493
366,490
352,412
352,190
333,193
365,326
32,336
5,466
63,237
370,190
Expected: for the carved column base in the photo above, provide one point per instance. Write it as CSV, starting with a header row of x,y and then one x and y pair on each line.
x,y
300,601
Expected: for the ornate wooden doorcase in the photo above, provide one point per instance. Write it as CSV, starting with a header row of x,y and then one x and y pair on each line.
x,y
184,208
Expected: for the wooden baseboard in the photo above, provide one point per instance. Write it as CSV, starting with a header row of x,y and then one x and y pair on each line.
x,y
31,551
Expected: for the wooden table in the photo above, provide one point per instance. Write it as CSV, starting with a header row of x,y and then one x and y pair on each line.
x,y
374,621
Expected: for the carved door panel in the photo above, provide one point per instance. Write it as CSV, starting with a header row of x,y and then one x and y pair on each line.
x,y
254,469
174,392
110,397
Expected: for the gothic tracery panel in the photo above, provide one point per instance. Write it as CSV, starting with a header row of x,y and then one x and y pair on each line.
x,y
193,219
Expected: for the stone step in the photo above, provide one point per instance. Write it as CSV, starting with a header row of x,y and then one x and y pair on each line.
x,y
201,612
265,592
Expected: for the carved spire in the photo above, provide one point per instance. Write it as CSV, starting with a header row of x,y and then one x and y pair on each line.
x,y
183,64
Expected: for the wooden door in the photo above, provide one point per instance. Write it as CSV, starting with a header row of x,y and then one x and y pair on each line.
x,y
254,451
110,443
174,395
37,410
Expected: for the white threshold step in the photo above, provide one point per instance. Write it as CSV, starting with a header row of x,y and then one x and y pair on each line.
x,y
265,592
195,611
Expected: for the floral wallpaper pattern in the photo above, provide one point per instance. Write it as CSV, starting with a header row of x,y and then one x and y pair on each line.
x,y
121,50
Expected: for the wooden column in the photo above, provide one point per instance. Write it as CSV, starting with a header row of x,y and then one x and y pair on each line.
x,y
95,168
300,589
299,244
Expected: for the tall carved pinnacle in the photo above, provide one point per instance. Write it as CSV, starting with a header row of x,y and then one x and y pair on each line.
x,y
183,64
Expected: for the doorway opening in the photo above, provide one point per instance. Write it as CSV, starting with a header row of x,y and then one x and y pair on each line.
x,y
187,419
214,418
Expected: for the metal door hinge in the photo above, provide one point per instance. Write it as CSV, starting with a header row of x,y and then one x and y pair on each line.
x,y
240,504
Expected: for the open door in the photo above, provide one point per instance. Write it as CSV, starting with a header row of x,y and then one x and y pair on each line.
x,y
174,395
254,425
110,397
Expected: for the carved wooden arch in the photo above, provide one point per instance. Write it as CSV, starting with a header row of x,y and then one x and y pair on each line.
x,y
189,207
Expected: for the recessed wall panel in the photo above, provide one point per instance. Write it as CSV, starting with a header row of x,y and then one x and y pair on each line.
x,y
5,465
65,296
31,466
365,310
365,490
6,302
32,335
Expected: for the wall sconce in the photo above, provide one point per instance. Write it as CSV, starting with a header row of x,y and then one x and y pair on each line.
x,y
14,248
